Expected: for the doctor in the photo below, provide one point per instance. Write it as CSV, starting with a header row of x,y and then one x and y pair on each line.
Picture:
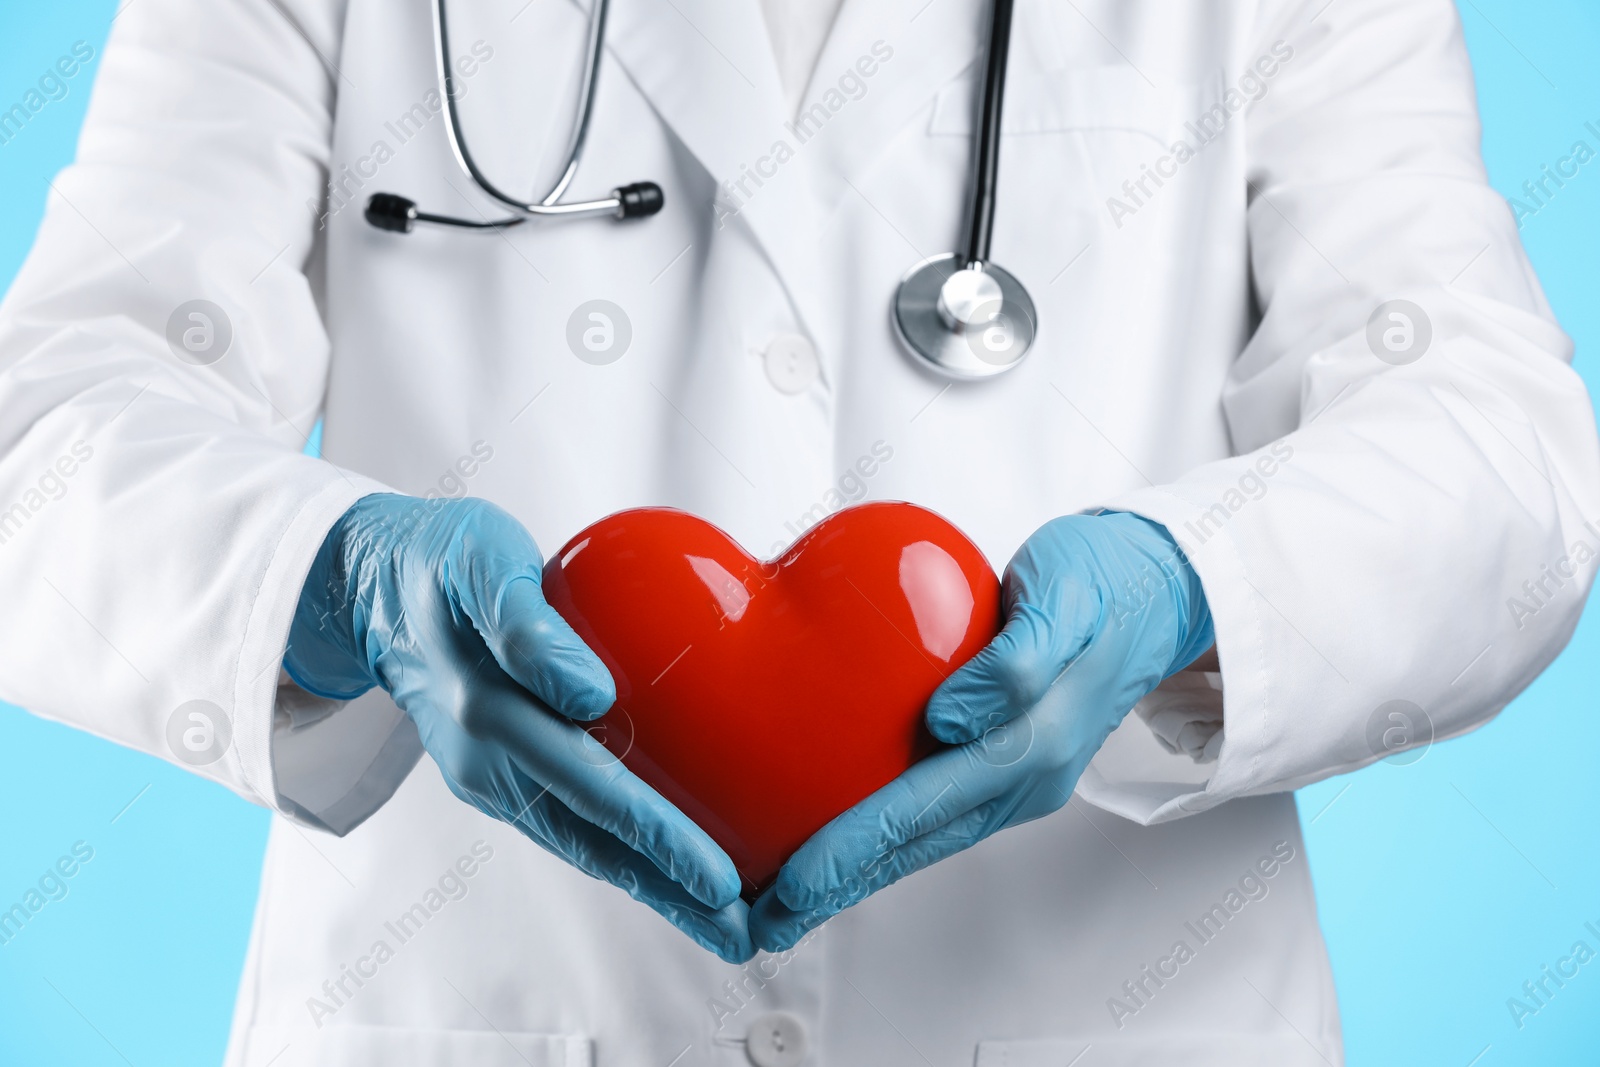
x,y
1296,406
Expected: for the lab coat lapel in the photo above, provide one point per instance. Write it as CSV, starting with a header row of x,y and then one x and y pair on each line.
x,y
708,69
930,44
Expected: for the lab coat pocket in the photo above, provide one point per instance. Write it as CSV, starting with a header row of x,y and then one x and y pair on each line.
x,y
338,1045
1078,140
1191,1050
1107,100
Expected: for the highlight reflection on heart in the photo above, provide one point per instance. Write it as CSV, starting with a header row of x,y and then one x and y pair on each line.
x,y
764,698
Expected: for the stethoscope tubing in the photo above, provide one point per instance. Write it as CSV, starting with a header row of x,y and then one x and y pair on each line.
x,y
953,344
986,160
547,205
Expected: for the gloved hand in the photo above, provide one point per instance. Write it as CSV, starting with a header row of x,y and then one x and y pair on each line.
x,y
439,602
1099,609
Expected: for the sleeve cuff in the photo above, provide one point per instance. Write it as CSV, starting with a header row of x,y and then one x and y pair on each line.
x,y
1192,744
1185,714
328,764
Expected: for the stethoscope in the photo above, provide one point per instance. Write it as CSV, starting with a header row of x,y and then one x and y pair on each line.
x,y
961,315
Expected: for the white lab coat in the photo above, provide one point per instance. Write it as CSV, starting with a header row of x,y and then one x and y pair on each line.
x,y
1182,335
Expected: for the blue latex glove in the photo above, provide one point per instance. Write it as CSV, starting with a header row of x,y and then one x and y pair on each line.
x,y
1099,609
439,602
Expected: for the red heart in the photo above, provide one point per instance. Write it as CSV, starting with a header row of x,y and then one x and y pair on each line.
x,y
763,699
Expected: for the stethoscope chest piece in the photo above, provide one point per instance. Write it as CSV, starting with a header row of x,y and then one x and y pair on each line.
x,y
958,314
964,322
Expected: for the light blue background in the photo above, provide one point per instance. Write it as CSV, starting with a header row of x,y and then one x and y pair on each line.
x,y
1444,885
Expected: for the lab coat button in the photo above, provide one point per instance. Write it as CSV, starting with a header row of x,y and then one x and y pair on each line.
x,y
791,362
777,1039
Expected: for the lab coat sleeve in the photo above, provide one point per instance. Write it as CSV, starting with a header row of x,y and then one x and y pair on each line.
x,y
1419,528
157,513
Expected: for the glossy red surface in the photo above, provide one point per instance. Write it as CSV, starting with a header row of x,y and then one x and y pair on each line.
x,y
764,698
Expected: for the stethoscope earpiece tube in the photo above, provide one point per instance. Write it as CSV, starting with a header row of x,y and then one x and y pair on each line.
x,y
387,211
639,200
962,316
397,214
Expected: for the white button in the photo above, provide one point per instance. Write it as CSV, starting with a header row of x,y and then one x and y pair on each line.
x,y
777,1039
791,363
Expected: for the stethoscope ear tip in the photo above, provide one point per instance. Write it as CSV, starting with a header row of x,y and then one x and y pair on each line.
x,y
639,200
389,211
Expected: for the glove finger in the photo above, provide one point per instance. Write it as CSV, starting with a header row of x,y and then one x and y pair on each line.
x,y
723,931
839,860
1012,672
490,776
536,646
493,570
596,785
616,800
776,927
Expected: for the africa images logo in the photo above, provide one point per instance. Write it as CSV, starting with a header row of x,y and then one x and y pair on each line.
x,y
53,85
52,885
1252,887
1205,128
851,86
